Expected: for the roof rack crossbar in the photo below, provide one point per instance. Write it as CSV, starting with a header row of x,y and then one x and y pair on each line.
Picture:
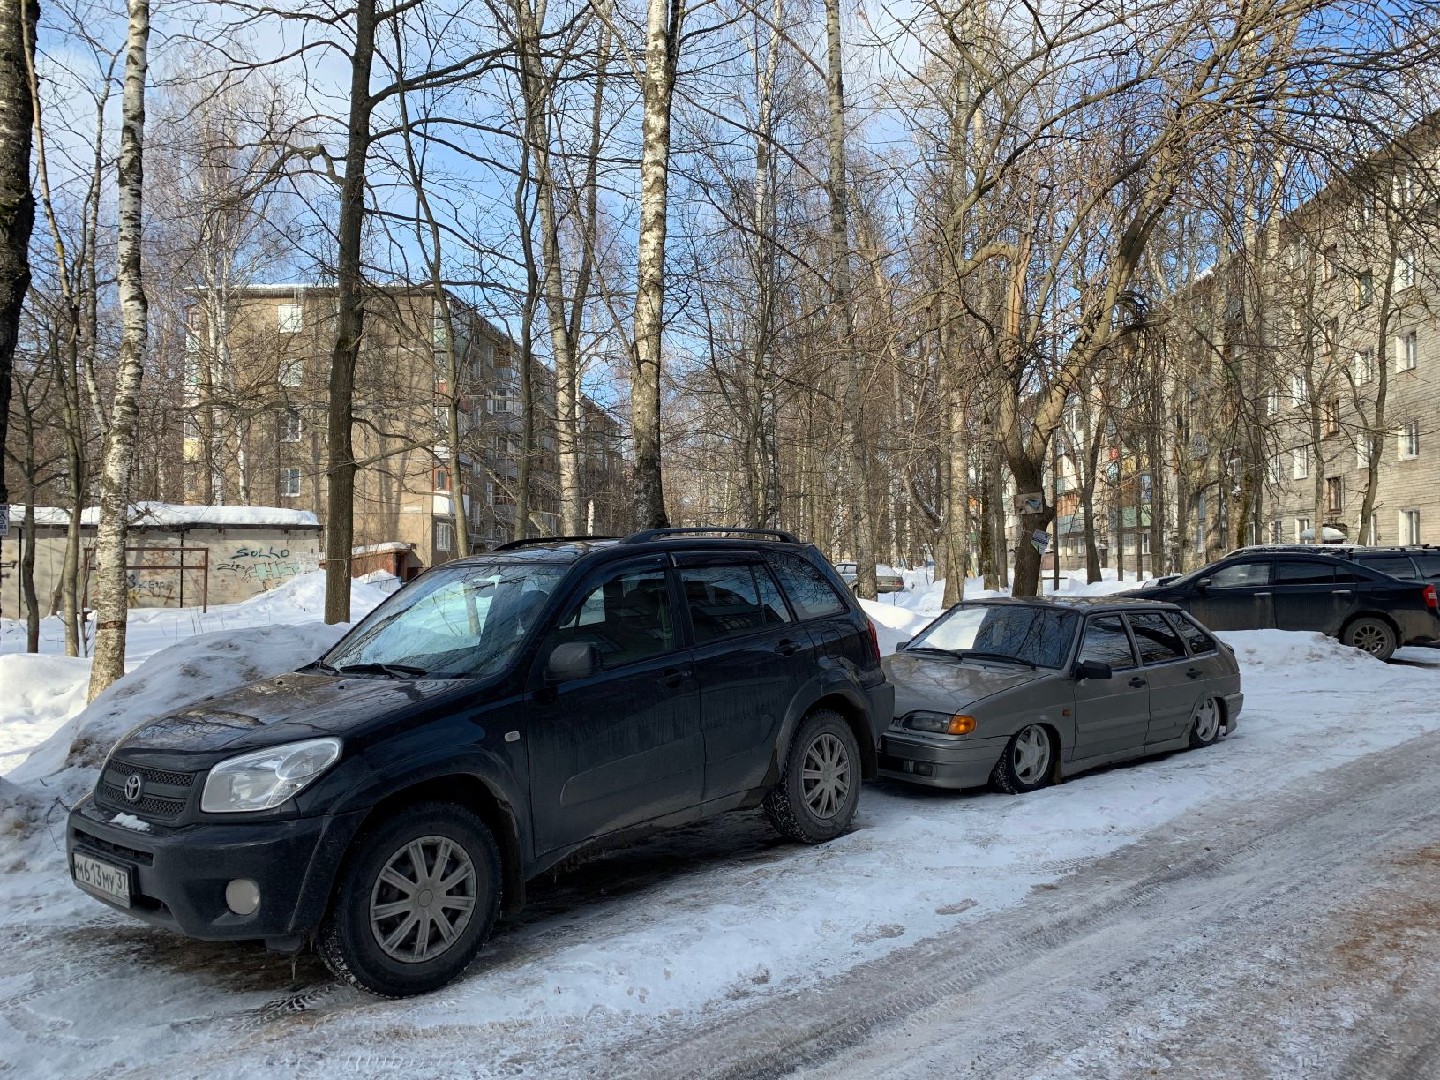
x,y
531,541
646,535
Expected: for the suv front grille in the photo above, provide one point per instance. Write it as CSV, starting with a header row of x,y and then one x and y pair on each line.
x,y
163,794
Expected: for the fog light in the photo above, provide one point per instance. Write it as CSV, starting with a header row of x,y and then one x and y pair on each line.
x,y
242,896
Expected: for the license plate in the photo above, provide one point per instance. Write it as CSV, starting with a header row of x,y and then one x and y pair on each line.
x,y
102,878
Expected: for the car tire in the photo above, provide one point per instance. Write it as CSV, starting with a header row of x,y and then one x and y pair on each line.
x,y
1206,720
819,789
1028,763
364,938
1370,635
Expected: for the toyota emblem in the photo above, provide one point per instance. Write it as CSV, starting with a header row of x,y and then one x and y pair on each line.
x,y
133,787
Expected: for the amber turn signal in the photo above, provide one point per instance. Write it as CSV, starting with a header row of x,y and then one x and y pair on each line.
x,y
961,725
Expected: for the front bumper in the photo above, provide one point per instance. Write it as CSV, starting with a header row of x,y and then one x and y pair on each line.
x,y
956,765
178,875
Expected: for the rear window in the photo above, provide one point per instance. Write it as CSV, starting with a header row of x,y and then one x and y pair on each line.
x,y
1157,640
1195,635
1429,565
726,602
810,593
1395,565
1303,573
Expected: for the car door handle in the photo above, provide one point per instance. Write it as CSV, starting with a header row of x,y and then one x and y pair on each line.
x,y
1259,595
787,647
672,678
1193,673
1137,682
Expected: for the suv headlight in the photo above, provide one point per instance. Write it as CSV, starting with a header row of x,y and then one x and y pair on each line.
x,y
263,779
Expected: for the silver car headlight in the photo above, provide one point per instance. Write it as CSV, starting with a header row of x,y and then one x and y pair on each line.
x,y
263,779
940,723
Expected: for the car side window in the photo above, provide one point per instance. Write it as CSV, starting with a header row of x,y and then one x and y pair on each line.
x,y
1106,642
810,593
1241,575
1299,572
1429,565
1395,565
776,613
1195,635
626,617
1157,640
725,602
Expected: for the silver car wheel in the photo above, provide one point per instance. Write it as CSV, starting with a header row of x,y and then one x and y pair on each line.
x,y
825,776
1370,638
1205,720
422,899
1032,755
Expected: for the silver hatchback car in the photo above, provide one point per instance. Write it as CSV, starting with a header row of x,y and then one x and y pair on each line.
x,y
1019,693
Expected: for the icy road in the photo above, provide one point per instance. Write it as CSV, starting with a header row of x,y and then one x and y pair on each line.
x,y
1263,908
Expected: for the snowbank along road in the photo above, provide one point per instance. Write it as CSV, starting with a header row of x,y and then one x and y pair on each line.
x,y
1261,908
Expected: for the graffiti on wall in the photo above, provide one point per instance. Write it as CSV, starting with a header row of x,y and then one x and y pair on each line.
x,y
266,566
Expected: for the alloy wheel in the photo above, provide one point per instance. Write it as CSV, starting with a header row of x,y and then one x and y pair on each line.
x,y
1206,720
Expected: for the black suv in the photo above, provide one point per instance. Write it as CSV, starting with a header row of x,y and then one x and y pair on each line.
x,y
494,717
1306,589
1413,562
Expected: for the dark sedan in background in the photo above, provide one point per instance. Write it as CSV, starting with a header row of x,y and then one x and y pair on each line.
x,y
1021,692
1288,589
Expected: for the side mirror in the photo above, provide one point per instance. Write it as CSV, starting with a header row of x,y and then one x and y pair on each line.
x,y
900,645
1093,669
572,660
1204,583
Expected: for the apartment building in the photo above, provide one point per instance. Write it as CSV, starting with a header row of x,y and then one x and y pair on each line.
x,y
1306,371
258,364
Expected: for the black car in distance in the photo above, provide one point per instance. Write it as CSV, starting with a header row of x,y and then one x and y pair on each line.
x,y
1289,589
494,717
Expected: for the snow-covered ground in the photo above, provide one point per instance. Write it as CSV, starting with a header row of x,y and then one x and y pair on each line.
x,y
678,930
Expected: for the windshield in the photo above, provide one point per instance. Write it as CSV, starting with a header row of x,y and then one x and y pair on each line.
x,y
465,621
1037,635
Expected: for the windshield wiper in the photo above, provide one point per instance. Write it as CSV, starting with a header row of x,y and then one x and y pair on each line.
x,y
975,654
320,666
395,671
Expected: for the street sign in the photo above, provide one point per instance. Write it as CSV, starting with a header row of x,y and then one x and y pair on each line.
x,y
1031,503
4,519
1040,539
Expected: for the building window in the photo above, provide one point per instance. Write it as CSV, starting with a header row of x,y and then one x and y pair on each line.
x,y
1272,469
1402,187
1298,396
1410,441
1329,261
1330,416
444,536
442,479
1272,403
1300,463
1362,450
290,425
1364,288
290,483
291,318
1370,534
1409,526
1405,270
1334,494
1407,351
1302,526
1365,366
292,373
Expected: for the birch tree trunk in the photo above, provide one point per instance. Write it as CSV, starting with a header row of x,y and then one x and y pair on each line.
x,y
841,289
17,201
111,607
657,83
350,325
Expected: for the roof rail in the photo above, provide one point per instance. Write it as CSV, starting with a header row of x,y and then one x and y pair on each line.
x,y
532,541
646,535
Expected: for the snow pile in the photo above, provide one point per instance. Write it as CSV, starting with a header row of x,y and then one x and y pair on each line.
x,y
303,597
37,694
1288,653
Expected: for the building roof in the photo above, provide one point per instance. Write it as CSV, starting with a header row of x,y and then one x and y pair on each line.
x,y
158,515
